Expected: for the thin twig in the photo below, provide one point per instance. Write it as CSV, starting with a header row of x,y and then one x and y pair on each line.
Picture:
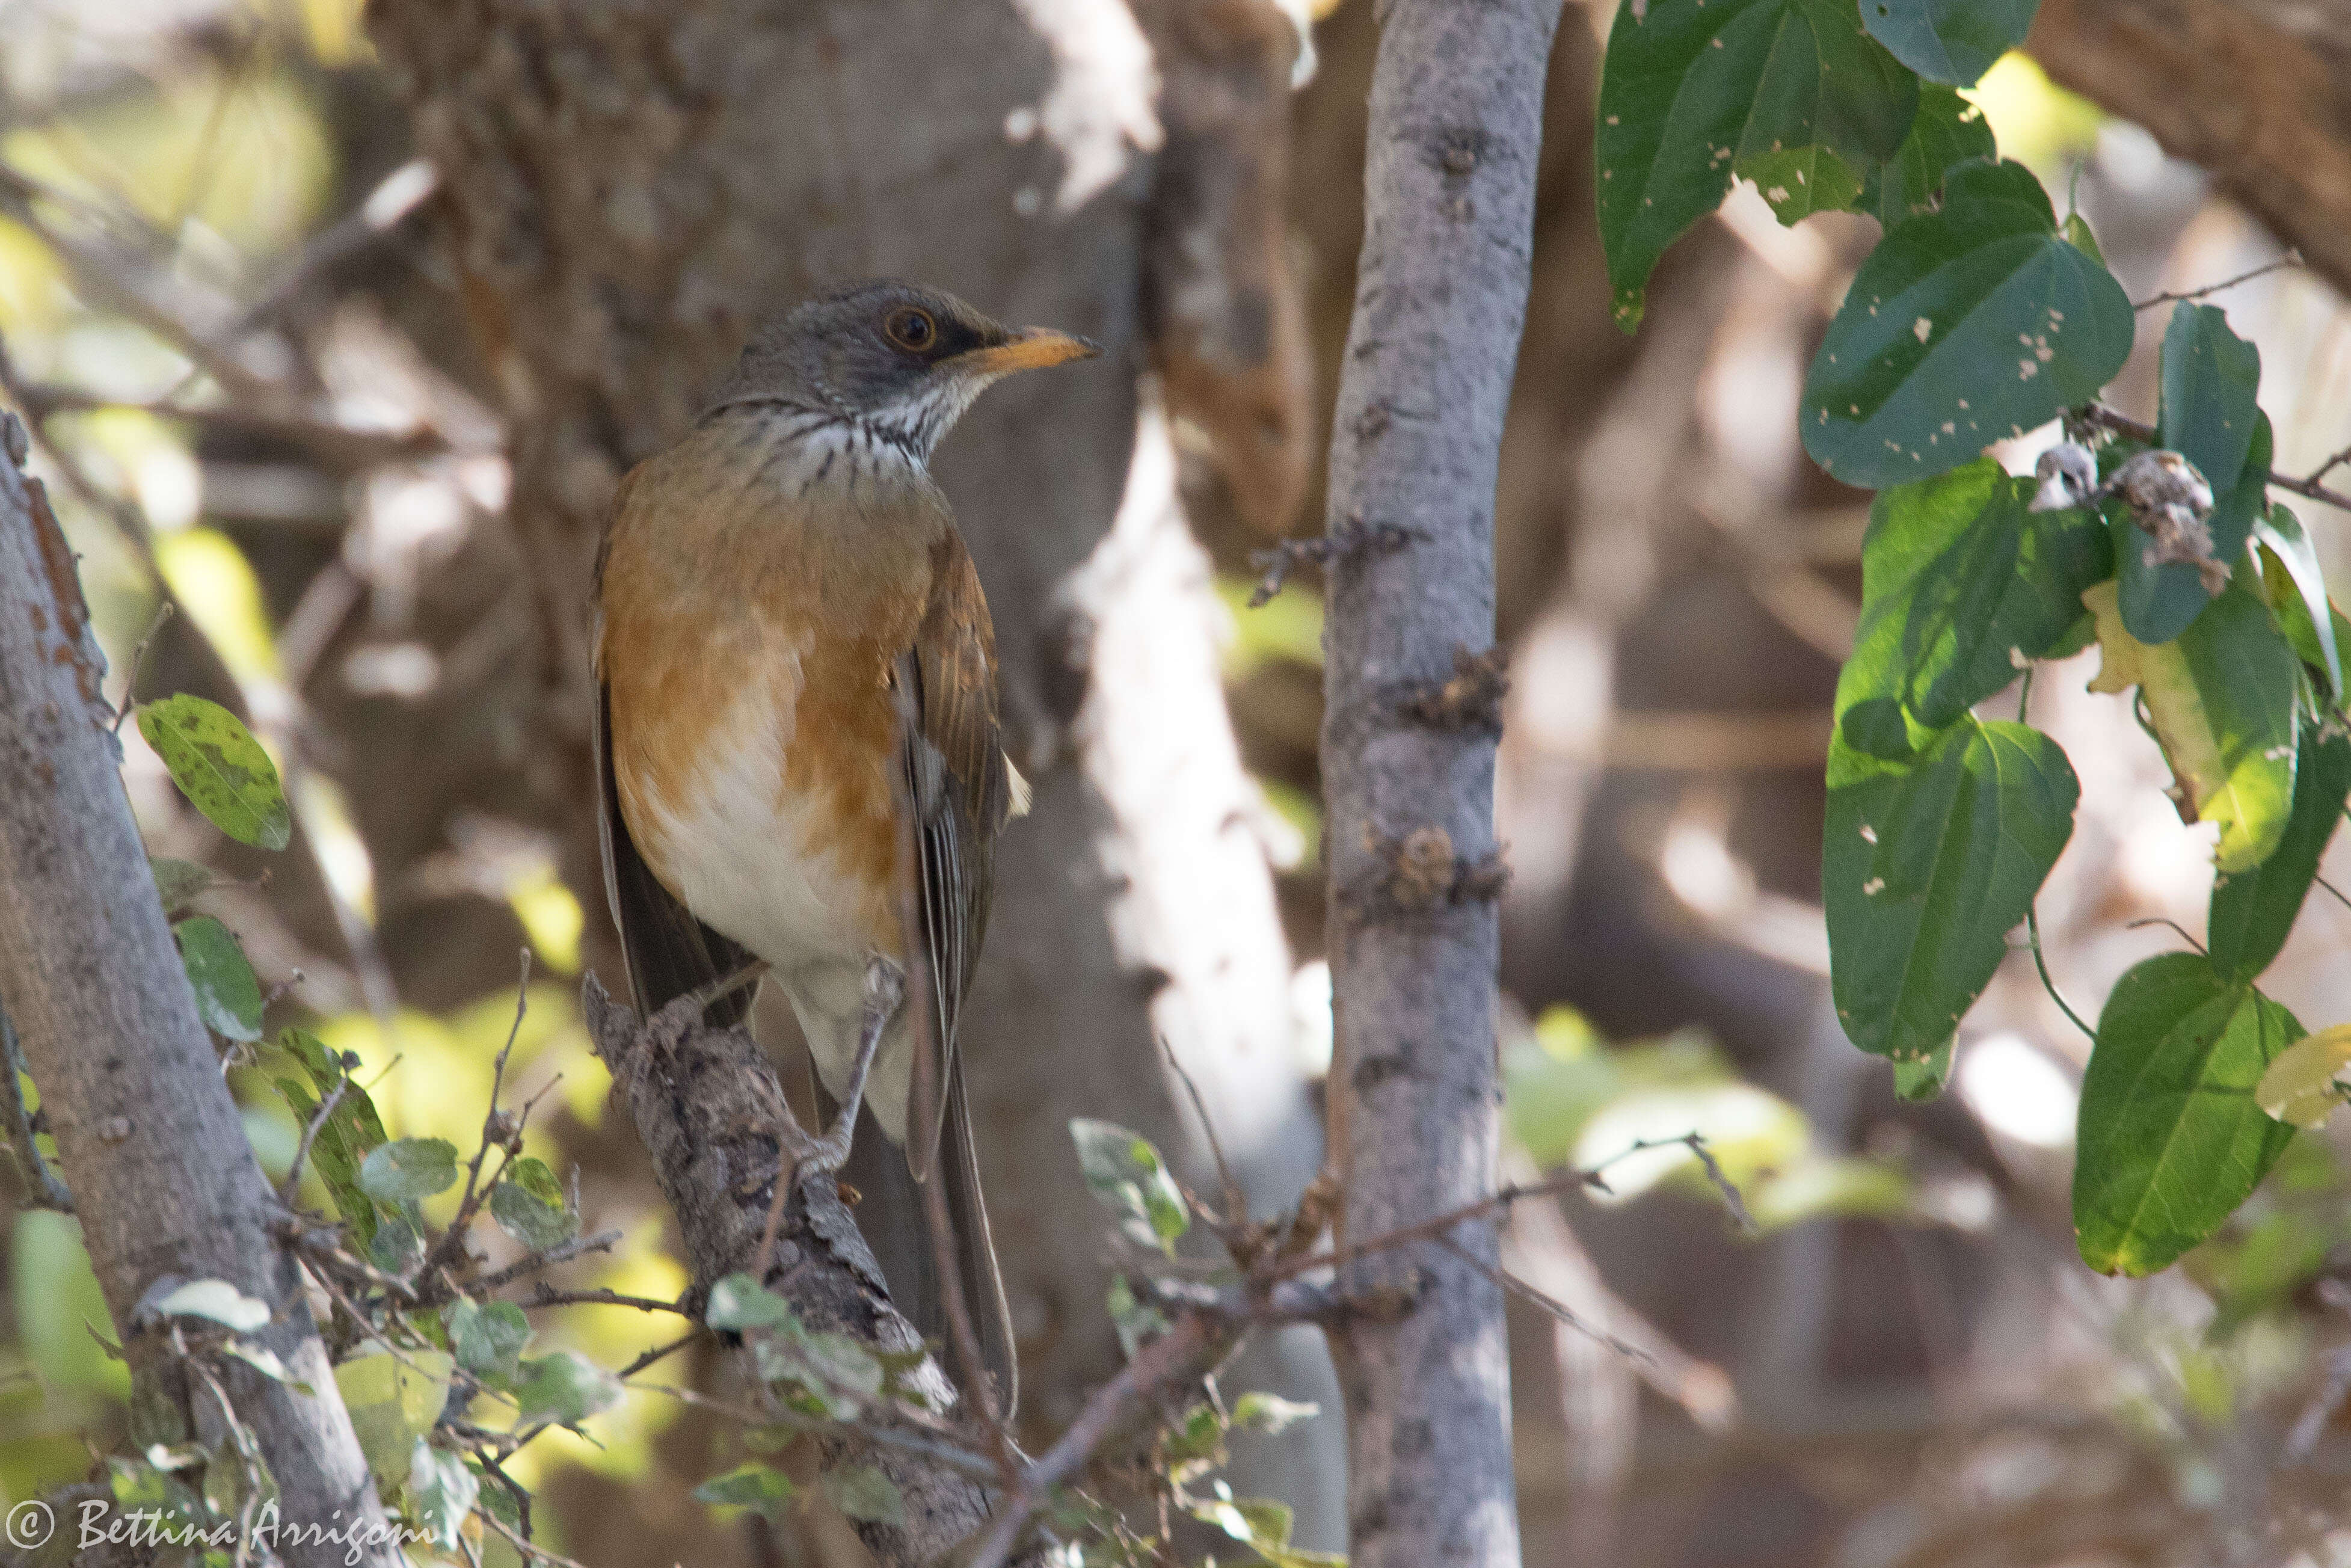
x,y
138,657
1167,1361
2105,418
1235,1203
527,1547
1722,1184
547,1257
2291,258
659,1352
1548,1303
545,1295
494,1135
292,1185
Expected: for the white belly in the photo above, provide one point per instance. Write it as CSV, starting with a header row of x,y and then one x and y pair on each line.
x,y
739,849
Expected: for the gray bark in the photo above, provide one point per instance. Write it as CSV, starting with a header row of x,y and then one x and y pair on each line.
x,y
150,1140
707,1107
1440,299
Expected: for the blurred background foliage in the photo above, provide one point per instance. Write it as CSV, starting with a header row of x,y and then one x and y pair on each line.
x,y
229,319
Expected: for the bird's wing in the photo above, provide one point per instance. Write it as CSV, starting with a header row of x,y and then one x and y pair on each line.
x,y
669,952
960,786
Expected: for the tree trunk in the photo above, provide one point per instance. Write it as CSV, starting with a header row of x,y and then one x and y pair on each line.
x,y
153,1146
1408,762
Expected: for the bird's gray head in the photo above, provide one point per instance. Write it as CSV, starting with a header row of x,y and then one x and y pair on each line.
x,y
900,361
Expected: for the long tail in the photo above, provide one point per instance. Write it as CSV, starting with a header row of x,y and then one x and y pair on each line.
x,y
890,1215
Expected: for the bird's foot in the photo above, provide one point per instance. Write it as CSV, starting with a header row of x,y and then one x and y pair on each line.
x,y
885,988
670,1024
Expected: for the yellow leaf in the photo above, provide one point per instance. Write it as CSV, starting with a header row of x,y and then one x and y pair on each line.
x,y
2299,1086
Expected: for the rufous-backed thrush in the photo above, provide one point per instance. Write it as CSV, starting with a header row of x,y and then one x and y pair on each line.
x,y
776,592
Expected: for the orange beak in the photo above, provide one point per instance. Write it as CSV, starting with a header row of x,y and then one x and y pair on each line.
x,y
1030,348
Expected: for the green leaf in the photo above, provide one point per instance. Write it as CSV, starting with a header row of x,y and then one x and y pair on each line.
x,y
2171,1140
350,1130
837,1374
860,1491
2209,416
1924,1080
1127,1177
1134,1320
1962,587
178,882
2076,230
220,768
228,996
264,1361
760,1489
2299,1085
1260,1412
1925,870
393,1401
529,1204
1797,182
487,1337
409,1168
739,1302
399,1243
2222,696
1949,130
2282,534
564,1389
1691,89
1966,325
2254,910
440,1491
1951,41
215,1299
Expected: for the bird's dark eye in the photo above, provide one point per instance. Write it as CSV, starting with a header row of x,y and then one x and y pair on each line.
x,y
911,329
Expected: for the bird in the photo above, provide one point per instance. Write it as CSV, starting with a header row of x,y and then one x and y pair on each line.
x,y
796,694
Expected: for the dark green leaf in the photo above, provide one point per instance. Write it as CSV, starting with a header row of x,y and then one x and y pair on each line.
x,y
565,1388
1962,587
2171,1141
1949,130
348,1133
398,1242
220,768
228,998
1926,870
1797,182
1951,41
529,1206
487,1337
1690,88
860,1491
2254,910
1966,325
1127,1177
409,1168
1134,1320
2222,697
761,1489
2210,417
2289,544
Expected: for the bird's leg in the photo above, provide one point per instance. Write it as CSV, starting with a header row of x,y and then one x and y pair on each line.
x,y
885,988
669,1025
